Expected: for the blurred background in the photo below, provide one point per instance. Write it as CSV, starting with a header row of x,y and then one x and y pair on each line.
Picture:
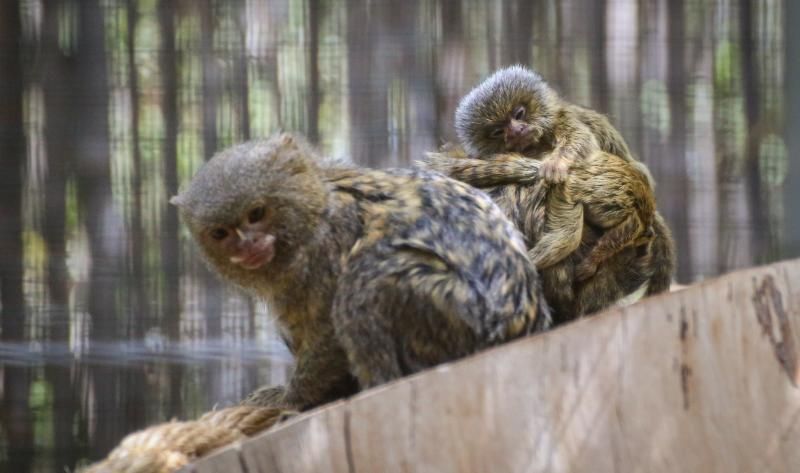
x,y
110,322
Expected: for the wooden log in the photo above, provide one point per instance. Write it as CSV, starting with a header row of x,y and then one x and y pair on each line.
x,y
700,380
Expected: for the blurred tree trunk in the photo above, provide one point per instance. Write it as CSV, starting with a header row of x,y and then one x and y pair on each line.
x,y
450,66
86,78
751,91
517,34
703,182
545,38
422,86
771,155
736,208
242,73
674,169
314,12
140,306
368,82
598,67
392,103
60,155
133,377
211,90
12,158
622,61
16,419
273,14
490,39
132,381
17,422
663,103
74,83
635,141
791,84
170,251
564,48
169,226
415,109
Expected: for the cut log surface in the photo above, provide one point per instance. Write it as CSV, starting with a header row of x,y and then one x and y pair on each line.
x,y
700,380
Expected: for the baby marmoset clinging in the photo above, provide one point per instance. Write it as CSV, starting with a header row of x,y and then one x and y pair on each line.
x,y
372,275
627,275
515,111
605,209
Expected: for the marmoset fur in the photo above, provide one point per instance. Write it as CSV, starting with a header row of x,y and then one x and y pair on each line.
x,y
515,110
372,275
514,185
597,203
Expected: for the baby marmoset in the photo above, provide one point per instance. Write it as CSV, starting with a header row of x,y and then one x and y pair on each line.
x,y
514,114
515,111
601,189
372,275
515,186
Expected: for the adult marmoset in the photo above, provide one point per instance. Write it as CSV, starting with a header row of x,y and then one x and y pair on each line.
x,y
371,275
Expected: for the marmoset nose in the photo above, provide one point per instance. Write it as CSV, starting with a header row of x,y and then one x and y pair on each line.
x,y
248,237
514,130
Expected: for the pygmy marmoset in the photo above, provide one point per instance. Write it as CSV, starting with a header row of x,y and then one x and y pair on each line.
x,y
515,110
371,275
624,277
601,190
605,206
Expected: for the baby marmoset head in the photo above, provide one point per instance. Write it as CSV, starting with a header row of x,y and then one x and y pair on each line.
x,y
508,112
249,206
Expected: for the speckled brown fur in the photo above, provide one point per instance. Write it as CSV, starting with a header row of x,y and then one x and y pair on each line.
x,y
574,221
607,192
376,274
561,132
521,196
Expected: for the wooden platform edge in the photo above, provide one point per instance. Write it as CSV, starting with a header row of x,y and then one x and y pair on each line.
x,y
700,380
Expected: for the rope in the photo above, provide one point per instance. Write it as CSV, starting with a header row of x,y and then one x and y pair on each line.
x,y
169,446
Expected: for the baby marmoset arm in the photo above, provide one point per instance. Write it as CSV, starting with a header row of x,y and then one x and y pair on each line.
x,y
605,190
512,183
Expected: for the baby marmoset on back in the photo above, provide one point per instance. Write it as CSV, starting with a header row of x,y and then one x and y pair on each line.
x,y
587,191
624,276
372,275
515,110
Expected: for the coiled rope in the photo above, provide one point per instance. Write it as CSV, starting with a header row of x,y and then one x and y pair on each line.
x,y
169,446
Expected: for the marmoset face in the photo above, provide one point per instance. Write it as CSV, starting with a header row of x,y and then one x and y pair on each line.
x,y
250,206
509,112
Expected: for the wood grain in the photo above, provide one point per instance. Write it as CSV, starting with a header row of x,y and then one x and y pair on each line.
x,y
700,380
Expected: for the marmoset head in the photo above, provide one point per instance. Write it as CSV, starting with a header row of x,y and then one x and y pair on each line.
x,y
508,112
252,205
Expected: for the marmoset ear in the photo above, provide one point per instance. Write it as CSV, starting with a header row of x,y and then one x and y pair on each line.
x,y
176,201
